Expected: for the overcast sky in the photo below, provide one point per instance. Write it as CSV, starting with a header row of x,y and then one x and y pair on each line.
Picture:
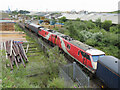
x,y
60,5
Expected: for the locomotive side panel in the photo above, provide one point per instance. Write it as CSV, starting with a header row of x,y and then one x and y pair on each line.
x,y
34,29
83,57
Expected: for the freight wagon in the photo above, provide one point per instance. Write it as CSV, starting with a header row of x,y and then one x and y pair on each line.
x,y
108,70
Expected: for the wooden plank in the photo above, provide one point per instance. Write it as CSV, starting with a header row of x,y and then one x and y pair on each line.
x,y
23,53
13,55
27,48
10,58
5,50
20,55
11,44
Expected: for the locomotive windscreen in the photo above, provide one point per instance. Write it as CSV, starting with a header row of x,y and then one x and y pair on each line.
x,y
96,57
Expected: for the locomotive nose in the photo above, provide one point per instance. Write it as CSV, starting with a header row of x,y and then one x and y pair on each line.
x,y
94,65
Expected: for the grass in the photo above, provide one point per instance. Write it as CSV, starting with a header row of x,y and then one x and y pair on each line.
x,y
39,71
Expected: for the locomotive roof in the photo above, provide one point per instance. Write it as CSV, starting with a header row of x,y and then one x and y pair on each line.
x,y
87,48
81,45
35,25
68,38
95,52
111,62
56,33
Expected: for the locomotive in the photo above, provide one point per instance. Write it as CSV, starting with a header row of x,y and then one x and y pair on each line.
x,y
82,53
92,59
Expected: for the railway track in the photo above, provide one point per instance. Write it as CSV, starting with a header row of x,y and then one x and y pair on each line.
x,y
93,79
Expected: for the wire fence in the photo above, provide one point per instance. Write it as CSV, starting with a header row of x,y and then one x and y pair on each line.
x,y
64,73
73,73
70,73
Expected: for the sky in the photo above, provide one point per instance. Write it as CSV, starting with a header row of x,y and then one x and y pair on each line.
x,y
60,5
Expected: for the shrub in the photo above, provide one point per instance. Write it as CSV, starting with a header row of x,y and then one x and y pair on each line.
x,y
98,22
78,19
94,30
56,83
82,26
90,24
115,29
91,42
106,24
62,19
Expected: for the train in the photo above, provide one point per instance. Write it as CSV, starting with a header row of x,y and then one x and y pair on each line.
x,y
108,70
86,55
82,53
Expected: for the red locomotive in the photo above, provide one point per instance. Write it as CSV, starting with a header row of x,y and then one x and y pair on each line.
x,y
84,54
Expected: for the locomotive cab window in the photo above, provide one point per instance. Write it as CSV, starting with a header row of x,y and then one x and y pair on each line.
x,y
56,36
83,54
96,57
88,57
79,52
68,46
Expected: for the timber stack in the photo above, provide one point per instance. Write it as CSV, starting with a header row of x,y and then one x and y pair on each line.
x,y
15,53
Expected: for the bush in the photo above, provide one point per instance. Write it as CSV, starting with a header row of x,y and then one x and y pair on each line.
x,y
91,42
98,36
115,29
56,83
62,19
78,19
90,25
106,24
86,34
82,26
94,30
98,22
110,39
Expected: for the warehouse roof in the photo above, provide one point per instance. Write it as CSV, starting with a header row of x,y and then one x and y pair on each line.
x,y
7,21
93,16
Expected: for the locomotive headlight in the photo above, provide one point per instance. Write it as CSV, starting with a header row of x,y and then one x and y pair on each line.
x,y
95,65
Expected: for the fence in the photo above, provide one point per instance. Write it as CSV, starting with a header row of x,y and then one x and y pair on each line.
x,y
64,73
71,73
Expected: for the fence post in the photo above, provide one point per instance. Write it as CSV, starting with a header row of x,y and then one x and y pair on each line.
x,y
74,70
88,82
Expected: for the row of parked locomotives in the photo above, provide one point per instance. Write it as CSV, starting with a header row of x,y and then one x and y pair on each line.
x,y
82,53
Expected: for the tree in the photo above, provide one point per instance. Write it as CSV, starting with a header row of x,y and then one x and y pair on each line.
x,y
62,19
78,19
14,12
98,22
106,24
90,24
23,12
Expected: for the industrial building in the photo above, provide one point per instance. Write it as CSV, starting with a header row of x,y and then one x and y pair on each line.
x,y
93,16
7,25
